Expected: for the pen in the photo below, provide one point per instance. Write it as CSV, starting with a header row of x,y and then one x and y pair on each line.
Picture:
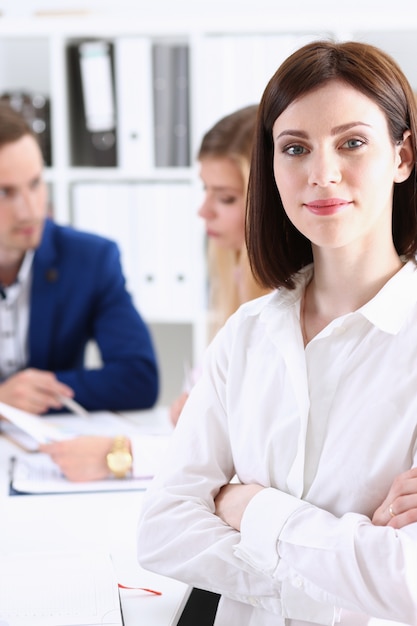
x,y
73,406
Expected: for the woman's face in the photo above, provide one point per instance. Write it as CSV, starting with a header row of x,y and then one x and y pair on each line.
x,y
223,208
335,166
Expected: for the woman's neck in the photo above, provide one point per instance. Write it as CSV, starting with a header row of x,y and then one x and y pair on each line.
x,y
340,285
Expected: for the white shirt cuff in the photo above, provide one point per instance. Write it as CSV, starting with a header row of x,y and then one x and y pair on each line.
x,y
261,526
148,452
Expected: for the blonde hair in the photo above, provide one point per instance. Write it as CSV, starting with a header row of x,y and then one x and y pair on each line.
x,y
231,281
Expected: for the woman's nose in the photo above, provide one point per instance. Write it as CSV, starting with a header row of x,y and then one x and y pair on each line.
x,y
206,211
324,169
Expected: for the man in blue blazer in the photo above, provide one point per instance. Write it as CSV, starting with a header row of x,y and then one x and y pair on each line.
x,y
59,289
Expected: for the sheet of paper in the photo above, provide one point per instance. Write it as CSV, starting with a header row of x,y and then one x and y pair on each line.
x,y
36,428
37,474
18,436
58,589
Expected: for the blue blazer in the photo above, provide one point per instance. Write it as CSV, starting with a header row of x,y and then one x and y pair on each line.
x,y
78,294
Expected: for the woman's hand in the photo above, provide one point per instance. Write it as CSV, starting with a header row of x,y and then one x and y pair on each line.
x,y
82,458
232,501
400,506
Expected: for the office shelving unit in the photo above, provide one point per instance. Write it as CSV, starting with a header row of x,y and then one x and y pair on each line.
x,y
230,61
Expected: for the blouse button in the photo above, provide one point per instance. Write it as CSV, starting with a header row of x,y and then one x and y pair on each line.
x,y
297,582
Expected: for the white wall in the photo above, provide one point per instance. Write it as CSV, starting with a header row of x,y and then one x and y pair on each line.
x,y
362,11
385,23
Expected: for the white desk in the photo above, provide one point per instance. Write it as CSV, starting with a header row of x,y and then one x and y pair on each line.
x,y
104,521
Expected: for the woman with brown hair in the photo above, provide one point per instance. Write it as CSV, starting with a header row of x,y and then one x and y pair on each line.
x,y
309,395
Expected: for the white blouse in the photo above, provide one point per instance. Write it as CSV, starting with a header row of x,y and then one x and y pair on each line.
x,y
326,429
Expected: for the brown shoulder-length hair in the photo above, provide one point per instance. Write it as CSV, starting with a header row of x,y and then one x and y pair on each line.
x,y
276,248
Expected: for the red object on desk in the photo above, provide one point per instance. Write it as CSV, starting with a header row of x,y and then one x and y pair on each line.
x,y
156,593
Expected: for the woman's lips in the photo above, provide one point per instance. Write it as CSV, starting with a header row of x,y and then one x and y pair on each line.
x,y
327,206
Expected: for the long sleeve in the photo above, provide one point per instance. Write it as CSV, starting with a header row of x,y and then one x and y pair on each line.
x,y
79,295
198,462
128,376
205,543
344,562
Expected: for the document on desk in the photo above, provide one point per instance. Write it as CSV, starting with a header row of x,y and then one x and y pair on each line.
x,y
58,589
37,474
29,430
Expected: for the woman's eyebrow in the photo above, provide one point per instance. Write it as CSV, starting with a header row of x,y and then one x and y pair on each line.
x,y
343,127
334,131
294,133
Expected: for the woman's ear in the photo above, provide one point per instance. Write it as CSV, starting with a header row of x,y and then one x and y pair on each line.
x,y
405,158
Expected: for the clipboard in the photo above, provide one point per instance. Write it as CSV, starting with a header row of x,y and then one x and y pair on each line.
x,y
37,474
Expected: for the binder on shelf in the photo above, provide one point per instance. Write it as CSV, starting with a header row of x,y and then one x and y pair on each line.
x,y
154,228
35,108
147,225
181,121
133,76
180,219
163,104
163,219
93,103
171,104
106,209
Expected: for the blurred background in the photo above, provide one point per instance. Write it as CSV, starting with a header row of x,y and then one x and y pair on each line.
x,y
120,93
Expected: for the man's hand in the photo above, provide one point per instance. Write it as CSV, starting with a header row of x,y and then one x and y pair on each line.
x,y
232,501
82,458
34,391
400,506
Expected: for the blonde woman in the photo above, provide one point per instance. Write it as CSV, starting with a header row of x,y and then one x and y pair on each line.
x,y
224,158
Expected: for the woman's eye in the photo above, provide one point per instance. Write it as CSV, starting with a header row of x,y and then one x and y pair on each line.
x,y
294,150
228,200
353,143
